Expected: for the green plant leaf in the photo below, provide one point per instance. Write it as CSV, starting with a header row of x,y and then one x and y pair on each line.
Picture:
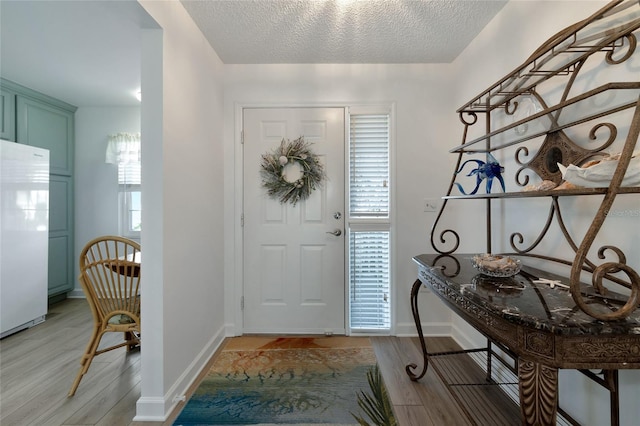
x,y
377,405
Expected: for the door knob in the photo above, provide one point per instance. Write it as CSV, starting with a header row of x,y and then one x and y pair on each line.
x,y
335,232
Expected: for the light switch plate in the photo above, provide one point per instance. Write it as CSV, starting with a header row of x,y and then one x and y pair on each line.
x,y
431,204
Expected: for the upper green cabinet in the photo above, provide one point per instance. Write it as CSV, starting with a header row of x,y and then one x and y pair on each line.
x,y
7,115
32,118
47,126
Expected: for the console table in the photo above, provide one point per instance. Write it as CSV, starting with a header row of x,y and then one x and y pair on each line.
x,y
573,103
539,325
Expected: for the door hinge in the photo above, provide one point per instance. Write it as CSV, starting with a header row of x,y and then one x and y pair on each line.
x,y
242,220
242,303
241,137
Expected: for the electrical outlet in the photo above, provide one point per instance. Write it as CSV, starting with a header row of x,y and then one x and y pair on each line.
x,y
430,204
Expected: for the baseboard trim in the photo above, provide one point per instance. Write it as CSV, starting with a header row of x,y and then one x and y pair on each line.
x,y
428,329
461,338
156,409
76,294
150,410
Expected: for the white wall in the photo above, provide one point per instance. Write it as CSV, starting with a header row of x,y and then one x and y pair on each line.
x,y
426,97
96,182
182,179
422,103
519,29
197,173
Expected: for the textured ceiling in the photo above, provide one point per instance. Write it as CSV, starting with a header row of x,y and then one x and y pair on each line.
x,y
340,31
87,53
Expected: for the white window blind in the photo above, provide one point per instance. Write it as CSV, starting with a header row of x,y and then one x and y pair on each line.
x,y
369,281
129,182
129,173
369,222
369,165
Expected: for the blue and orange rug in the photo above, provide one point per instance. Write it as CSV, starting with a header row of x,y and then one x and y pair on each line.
x,y
298,380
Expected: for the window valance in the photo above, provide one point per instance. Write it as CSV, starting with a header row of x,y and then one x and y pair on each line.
x,y
123,148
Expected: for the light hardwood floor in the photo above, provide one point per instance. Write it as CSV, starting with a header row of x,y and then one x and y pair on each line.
x,y
37,367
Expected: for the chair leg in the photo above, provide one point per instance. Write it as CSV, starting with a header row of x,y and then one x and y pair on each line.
x,y
132,340
127,338
86,359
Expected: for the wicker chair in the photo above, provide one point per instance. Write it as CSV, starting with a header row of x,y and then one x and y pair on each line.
x,y
110,278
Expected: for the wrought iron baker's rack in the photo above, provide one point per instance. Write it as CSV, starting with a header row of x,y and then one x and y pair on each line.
x,y
550,76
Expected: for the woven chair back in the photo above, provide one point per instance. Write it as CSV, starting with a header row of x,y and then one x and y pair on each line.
x,y
110,276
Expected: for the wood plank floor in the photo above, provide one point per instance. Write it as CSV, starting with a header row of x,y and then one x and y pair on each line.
x,y
37,367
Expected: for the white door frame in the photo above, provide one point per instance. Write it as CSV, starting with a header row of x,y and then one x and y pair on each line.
x,y
234,281
233,256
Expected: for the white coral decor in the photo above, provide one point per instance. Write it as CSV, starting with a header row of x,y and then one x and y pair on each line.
x,y
599,175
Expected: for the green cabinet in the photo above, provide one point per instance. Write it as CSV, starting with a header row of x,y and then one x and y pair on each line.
x,y
47,126
61,247
7,115
42,121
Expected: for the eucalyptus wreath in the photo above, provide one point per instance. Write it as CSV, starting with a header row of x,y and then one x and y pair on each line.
x,y
273,171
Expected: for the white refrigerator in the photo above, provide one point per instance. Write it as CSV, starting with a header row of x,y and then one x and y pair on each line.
x,y
24,236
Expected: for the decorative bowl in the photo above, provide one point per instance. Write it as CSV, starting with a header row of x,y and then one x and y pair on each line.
x,y
496,265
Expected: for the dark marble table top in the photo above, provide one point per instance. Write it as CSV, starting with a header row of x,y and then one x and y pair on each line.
x,y
521,301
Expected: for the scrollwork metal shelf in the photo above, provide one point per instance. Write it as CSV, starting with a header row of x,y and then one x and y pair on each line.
x,y
547,193
564,53
561,130
471,146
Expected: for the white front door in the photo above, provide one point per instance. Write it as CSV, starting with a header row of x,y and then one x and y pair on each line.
x,y
293,266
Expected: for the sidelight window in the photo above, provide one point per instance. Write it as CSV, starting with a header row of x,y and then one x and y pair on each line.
x,y
369,220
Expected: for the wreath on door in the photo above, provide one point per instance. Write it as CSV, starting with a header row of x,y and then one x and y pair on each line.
x,y
291,172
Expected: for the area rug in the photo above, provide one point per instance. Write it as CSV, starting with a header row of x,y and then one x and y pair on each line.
x,y
295,380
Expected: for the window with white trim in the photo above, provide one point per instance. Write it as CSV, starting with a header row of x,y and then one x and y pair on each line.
x,y
130,193
123,149
369,220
